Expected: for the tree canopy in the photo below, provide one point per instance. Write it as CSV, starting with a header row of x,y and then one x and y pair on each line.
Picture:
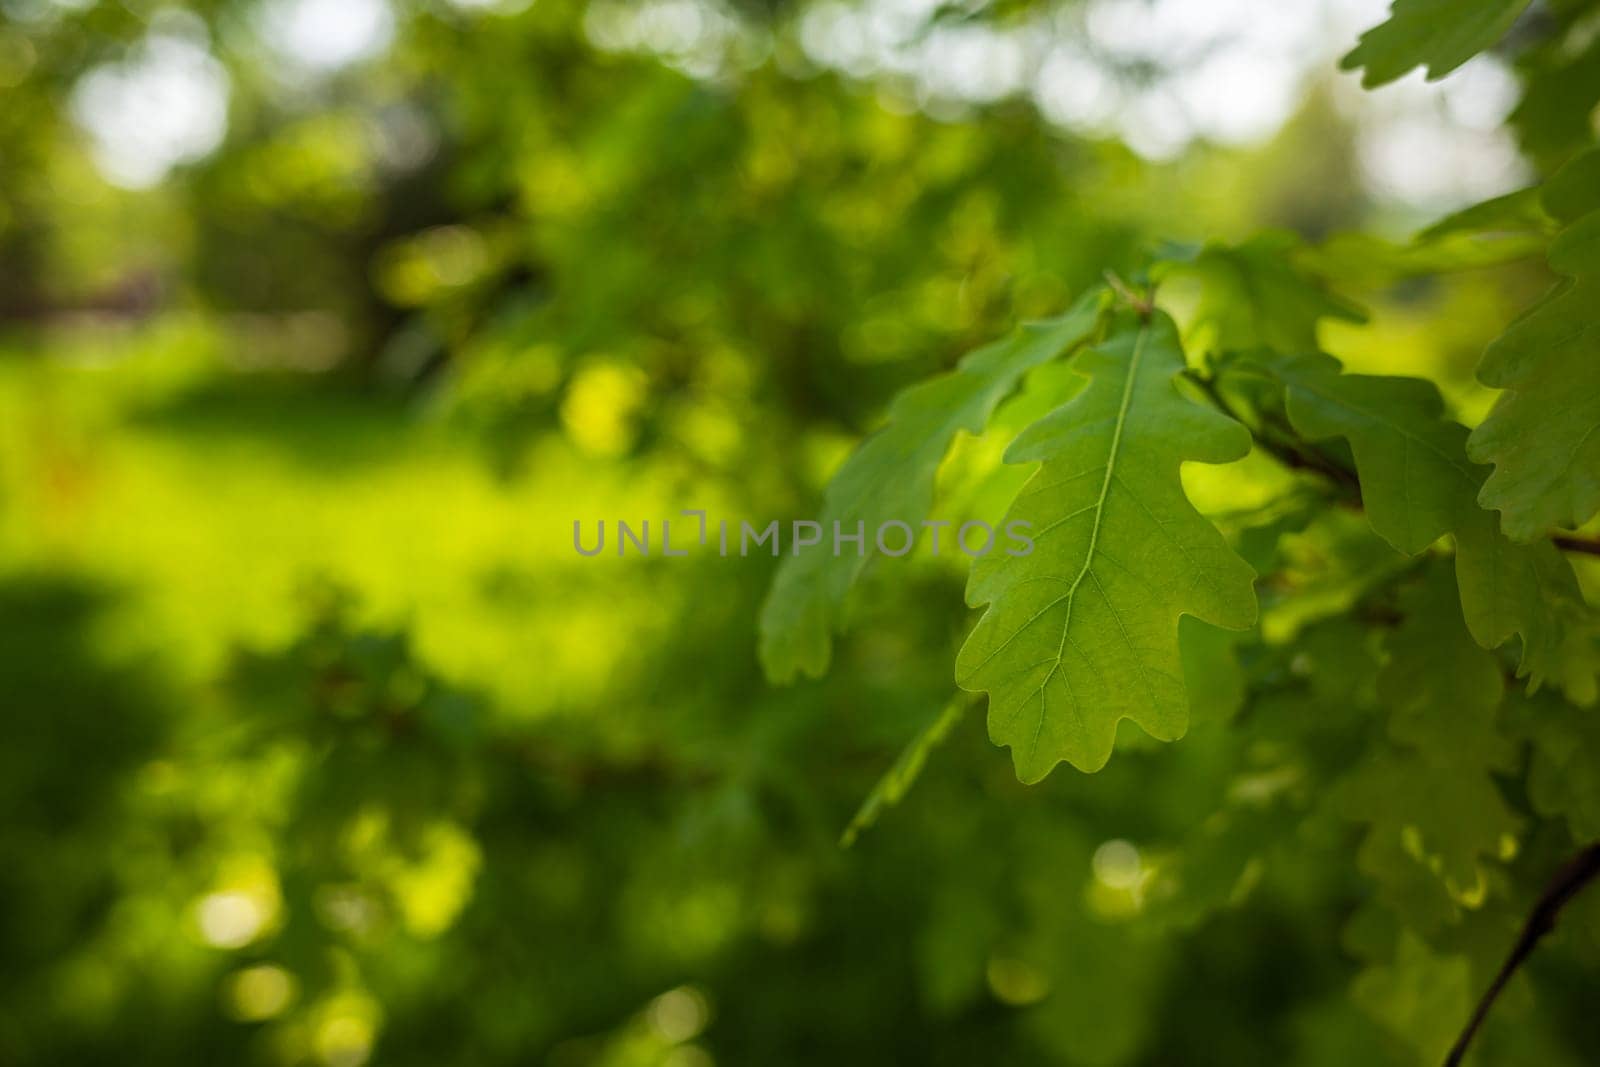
x,y
326,326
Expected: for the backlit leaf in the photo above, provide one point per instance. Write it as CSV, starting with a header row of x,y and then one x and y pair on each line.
x,y
891,477
1083,632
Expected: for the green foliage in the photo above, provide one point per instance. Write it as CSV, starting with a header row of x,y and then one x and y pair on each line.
x,y
1418,996
1543,435
1418,485
1083,631
1438,34
1511,589
1253,296
1562,778
891,478
1561,84
469,797
902,774
1430,798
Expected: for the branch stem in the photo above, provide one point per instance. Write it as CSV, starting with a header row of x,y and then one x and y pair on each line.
x,y
1279,440
1588,546
1567,883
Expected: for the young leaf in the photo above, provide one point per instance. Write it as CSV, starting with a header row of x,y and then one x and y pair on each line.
x,y
891,476
1083,631
1543,435
1438,34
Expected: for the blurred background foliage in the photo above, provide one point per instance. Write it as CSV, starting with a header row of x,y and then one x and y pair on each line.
x,y
321,320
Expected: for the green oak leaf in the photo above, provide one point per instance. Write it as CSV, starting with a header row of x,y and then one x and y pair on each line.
x,y
1564,762
1531,590
1417,485
1517,212
1083,631
1453,245
1447,715
1543,434
1253,295
891,476
1434,812
1387,856
1504,229
1323,571
1574,190
1561,87
1438,34
1416,482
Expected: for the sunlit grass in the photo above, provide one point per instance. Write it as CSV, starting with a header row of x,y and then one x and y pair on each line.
x,y
217,522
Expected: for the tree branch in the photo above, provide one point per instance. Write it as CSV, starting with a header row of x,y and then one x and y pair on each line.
x,y
1589,546
1568,882
1142,303
1280,441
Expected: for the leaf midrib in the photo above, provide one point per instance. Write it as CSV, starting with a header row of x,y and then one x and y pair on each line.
x,y
1070,596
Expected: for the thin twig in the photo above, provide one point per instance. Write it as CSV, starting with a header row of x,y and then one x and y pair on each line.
x,y
1281,443
1589,546
1143,303
1568,882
